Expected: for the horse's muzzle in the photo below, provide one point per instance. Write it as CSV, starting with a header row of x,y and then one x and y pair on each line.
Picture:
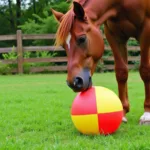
x,y
81,82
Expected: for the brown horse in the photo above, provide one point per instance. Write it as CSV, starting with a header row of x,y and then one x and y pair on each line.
x,y
79,34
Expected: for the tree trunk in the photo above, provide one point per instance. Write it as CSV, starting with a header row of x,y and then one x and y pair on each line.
x,y
34,7
46,2
18,11
11,16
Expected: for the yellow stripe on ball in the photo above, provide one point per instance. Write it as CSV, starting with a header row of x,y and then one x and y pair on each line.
x,y
86,124
107,101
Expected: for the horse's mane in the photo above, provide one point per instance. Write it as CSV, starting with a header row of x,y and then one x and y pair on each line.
x,y
66,24
64,27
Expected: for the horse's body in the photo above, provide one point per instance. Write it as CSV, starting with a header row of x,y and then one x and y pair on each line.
x,y
84,45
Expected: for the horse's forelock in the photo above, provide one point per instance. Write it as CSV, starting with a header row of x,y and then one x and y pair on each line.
x,y
64,28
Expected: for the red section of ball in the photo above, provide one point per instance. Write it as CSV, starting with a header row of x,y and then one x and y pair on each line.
x,y
109,122
85,103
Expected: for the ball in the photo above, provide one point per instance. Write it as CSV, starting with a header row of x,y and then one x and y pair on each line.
x,y
97,111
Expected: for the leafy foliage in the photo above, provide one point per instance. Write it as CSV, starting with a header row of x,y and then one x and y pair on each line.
x,y
43,25
46,23
7,68
4,69
11,55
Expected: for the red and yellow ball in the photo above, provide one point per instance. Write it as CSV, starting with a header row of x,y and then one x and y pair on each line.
x,y
97,111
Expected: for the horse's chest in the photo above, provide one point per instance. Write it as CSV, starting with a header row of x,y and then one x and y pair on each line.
x,y
122,27
133,10
129,19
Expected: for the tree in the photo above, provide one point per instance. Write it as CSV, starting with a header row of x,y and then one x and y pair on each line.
x,y
34,7
11,16
18,11
14,13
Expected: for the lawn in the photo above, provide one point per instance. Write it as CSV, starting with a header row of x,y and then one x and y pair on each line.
x,y
35,115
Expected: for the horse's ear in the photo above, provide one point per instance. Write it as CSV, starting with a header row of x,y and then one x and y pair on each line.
x,y
78,10
58,15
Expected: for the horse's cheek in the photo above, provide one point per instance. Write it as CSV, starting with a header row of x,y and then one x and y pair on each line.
x,y
100,48
98,51
97,45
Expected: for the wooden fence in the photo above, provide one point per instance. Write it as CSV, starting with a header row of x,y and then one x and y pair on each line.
x,y
20,49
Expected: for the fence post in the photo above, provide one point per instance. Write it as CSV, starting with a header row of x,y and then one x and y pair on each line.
x,y
19,52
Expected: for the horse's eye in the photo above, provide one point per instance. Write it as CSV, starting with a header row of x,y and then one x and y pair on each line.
x,y
81,40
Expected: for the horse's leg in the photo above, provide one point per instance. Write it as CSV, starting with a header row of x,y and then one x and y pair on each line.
x,y
145,70
120,55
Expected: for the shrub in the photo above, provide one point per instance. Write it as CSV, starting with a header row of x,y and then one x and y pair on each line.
x,y
38,54
4,69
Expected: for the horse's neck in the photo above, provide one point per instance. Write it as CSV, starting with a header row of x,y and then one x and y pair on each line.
x,y
101,10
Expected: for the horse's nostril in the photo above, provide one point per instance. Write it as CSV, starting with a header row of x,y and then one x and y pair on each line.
x,y
78,82
81,82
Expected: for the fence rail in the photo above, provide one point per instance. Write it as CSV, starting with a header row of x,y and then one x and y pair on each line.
x,y
20,49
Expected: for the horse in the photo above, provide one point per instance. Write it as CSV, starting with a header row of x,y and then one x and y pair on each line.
x,y
79,34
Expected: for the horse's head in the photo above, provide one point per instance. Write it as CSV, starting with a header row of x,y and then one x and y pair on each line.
x,y
83,43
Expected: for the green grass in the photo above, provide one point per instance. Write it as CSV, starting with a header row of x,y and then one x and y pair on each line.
x,y
35,115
